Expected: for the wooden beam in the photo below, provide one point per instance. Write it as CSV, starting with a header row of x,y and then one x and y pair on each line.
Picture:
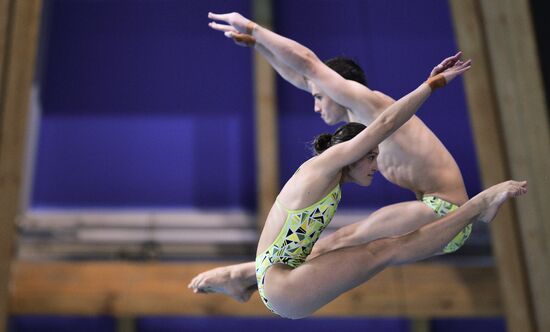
x,y
493,162
5,9
510,122
525,124
19,30
267,140
133,289
6,235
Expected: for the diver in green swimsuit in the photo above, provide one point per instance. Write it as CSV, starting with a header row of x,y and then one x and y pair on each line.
x,y
292,284
425,167
294,287
309,199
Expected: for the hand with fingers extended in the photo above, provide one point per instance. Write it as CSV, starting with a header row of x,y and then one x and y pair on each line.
x,y
447,70
447,63
237,27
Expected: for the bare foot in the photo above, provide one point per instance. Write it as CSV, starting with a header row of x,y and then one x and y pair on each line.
x,y
492,198
236,281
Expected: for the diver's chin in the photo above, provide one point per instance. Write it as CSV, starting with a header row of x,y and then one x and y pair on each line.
x,y
368,182
329,121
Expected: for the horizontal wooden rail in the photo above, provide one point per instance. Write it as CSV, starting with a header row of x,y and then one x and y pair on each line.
x,y
133,289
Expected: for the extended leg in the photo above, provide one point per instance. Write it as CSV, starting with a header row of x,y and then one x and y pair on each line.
x,y
238,281
297,293
392,220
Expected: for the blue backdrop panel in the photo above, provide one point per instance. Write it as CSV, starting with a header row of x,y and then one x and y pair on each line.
x,y
397,43
494,324
144,105
147,161
61,324
142,56
230,324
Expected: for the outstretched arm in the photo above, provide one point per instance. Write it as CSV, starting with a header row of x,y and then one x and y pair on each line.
x,y
246,40
295,60
282,68
388,122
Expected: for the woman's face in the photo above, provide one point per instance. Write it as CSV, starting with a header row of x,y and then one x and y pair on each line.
x,y
362,171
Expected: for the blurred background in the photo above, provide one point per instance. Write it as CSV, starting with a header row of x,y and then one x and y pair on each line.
x,y
143,108
141,159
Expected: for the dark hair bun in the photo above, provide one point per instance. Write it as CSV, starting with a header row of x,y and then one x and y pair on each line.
x,y
342,134
321,143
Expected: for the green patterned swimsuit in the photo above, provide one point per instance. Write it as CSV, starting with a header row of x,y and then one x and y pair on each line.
x,y
299,233
442,208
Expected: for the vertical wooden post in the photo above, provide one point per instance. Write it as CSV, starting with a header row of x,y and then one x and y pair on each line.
x,y
5,9
491,153
266,121
510,121
525,124
19,22
125,323
420,325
